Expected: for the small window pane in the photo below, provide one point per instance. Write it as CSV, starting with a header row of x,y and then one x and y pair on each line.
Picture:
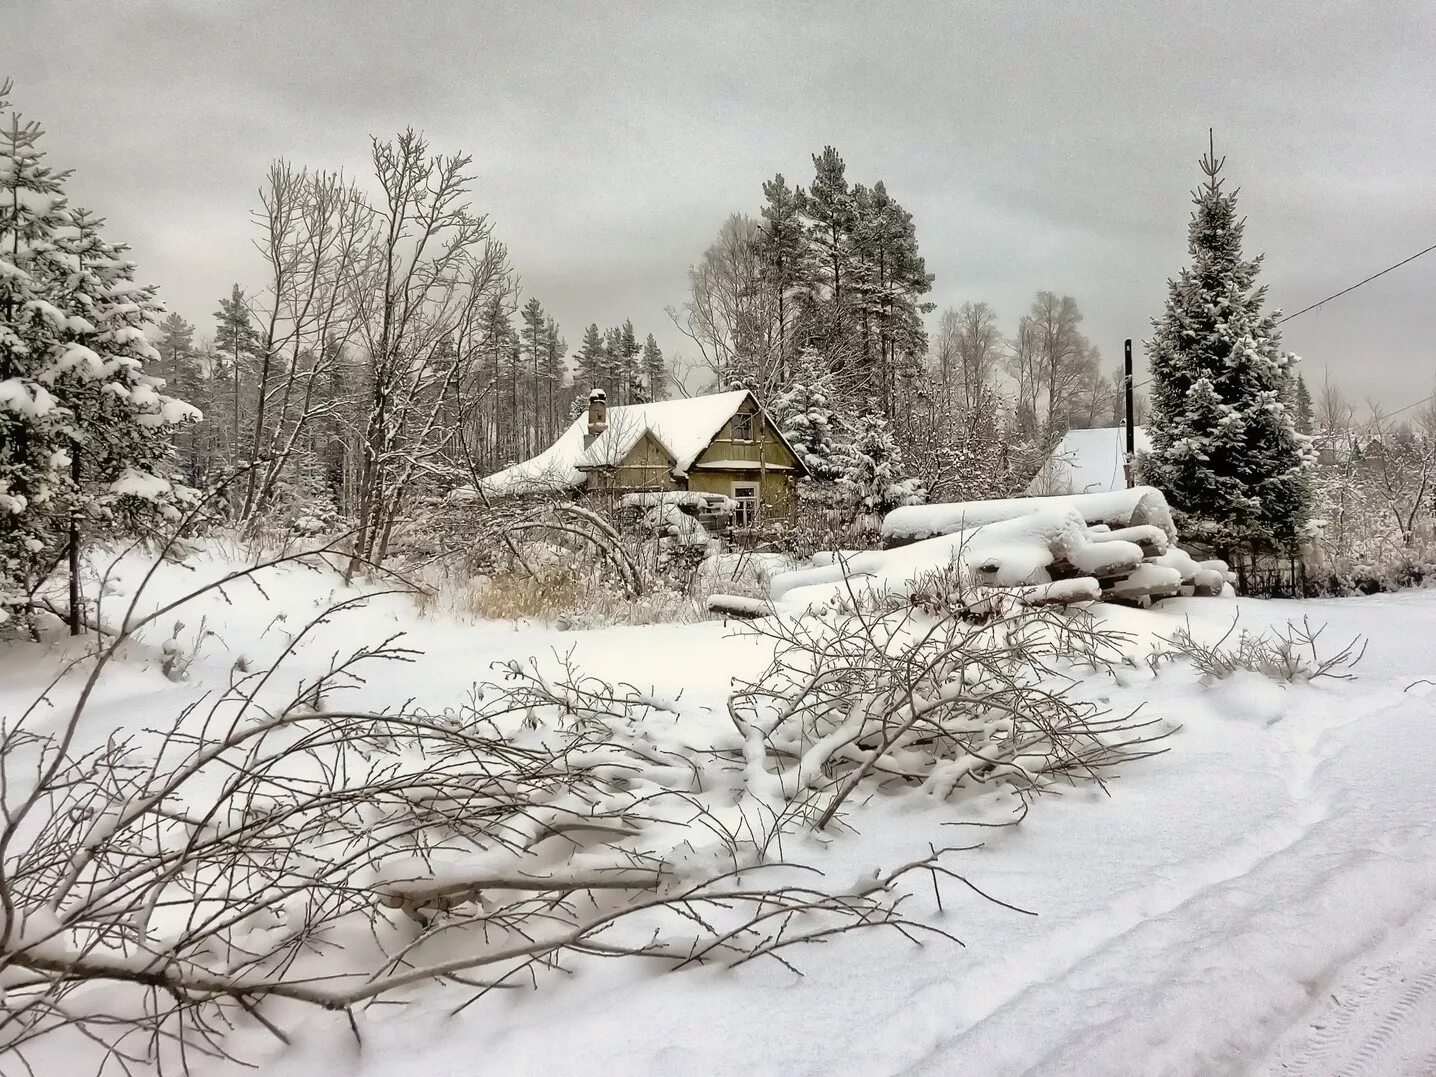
x,y
743,427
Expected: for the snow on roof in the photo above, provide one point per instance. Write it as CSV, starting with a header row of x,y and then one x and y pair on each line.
x,y
683,427
1087,462
1141,505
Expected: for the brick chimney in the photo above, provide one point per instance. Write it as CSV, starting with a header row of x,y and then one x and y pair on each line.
x,y
597,414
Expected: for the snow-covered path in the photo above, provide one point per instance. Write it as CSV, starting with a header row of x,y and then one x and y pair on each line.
x,y
1259,899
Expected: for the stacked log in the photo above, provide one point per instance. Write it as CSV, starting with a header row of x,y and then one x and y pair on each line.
x,y
1123,543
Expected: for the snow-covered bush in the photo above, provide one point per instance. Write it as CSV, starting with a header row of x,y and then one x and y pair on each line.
x,y
1287,654
897,697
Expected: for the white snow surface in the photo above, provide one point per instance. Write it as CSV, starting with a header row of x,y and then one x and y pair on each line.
x,y
1088,462
1139,506
683,427
1261,898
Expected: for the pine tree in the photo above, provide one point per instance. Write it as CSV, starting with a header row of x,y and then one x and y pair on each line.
x,y
831,215
535,324
611,365
590,361
236,345
786,259
553,373
655,373
1225,446
629,372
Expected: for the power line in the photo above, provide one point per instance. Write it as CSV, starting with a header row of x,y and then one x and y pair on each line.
x,y
1357,285
1338,295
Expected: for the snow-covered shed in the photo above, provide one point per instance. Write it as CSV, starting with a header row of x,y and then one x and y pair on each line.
x,y
1087,462
722,444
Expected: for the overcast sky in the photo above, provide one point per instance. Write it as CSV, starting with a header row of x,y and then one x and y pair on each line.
x,y
1037,145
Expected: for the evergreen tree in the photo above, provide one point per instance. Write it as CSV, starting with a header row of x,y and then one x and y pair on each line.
x,y
1305,413
535,347
831,215
34,464
1225,446
803,412
83,429
237,346
610,366
786,260
590,361
655,373
178,364
873,474
629,373
553,372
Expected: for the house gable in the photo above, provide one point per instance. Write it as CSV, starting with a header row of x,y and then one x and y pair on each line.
x,y
648,465
749,442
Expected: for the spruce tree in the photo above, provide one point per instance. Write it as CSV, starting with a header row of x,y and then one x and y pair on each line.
x,y
1225,445
873,474
804,413
84,431
34,463
1305,412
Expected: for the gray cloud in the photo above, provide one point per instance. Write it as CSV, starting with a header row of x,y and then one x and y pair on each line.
x,y
1038,145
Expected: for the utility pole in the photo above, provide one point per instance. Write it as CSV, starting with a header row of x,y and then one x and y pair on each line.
x,y
1130,424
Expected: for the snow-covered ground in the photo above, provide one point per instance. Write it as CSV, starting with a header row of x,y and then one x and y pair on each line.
x,y
1260,898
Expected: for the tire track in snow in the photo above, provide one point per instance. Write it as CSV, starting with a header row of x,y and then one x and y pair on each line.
x,y
1380,1018
1307,746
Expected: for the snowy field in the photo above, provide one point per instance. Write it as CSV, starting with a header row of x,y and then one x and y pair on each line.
x,y
1260,898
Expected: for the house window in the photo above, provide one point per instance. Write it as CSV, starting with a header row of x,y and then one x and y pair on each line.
x,y
743,426
745,513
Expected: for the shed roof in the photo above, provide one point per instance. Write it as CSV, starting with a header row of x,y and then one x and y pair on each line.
x,y
1088,462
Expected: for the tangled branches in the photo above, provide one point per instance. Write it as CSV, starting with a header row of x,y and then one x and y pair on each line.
x,y
892,697
268,849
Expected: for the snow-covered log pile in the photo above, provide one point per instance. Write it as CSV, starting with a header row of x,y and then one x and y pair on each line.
x,y
1055,550
1141,506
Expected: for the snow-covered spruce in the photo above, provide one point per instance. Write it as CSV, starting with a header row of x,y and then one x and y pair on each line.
x,y
1225,446
83,430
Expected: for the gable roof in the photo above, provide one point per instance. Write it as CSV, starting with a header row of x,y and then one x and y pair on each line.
x,y
1088,462
684,428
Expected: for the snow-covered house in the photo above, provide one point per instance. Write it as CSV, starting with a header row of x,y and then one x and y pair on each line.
x,y
1087,462
723,444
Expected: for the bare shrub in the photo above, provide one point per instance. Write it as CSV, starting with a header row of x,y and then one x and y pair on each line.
x,y
1291,654
890,696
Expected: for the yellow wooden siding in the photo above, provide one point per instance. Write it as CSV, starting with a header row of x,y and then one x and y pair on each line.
x,y
778,489
767,448
649,467
646,467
